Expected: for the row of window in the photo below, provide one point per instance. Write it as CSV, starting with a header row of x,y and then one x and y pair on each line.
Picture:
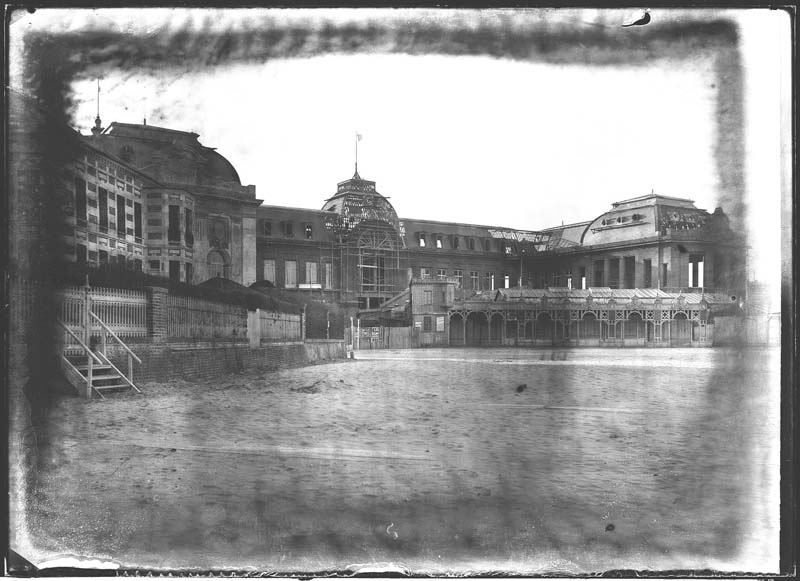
x,y
455,242
107,204
472,282
174,268
290,272
83,255
287,229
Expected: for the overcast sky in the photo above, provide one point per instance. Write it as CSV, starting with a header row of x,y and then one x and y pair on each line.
x,y
468,139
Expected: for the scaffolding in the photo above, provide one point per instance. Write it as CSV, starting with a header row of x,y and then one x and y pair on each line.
x,y
373,257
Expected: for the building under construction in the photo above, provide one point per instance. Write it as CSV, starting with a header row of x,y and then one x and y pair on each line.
x,y
357,252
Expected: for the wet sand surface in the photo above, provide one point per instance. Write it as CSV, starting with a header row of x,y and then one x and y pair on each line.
x,y
440,461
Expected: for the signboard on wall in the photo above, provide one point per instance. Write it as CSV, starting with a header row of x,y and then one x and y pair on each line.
x,y
440,324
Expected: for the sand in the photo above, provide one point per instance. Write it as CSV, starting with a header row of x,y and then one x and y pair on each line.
x,y
631,459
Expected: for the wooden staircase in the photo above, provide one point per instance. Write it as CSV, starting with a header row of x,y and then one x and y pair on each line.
x,y
88,368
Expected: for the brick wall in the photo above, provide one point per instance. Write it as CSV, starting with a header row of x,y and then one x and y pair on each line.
x,y
168,362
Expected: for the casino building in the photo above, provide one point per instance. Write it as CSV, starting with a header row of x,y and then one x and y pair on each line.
x,y
157,200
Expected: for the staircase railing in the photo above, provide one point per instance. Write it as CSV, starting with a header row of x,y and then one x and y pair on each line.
x,y
91,358
106,332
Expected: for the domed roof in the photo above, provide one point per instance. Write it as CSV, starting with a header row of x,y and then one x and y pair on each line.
x,y
218,169
168,155
356,200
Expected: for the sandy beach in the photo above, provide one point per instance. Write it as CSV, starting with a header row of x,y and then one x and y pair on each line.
x,y
438,461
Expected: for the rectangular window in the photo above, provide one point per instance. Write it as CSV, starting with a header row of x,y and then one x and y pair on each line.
x,y
121,219
664,275
137,264
441,273
290,274
81,253
489,281
154,221
174,224
155,265
288,229
189,272
155,235
582,274
427,297
474,280
506,281
455,242
613,273
424,272
309,232
175,270
421,240
630,272
80,199
137,219
427,324
93,256
103,203
153,208
471,243
267,228
188,223
269,270
443,297
647,281
129,203
328,275
439,241
599,268
696,270
311,273
459,276
103,257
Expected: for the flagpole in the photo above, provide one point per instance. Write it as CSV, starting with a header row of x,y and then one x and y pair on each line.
x,y
356,137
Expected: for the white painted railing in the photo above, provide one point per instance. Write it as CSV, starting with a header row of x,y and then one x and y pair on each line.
x,y
123,311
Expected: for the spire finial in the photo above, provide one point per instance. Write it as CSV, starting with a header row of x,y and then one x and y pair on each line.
x,y
358,138
97,129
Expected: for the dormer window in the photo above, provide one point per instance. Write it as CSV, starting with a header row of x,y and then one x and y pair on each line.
x,y
439,243
508,251
309,232
288,229
487,245
421,240
454,242
471,243
267,228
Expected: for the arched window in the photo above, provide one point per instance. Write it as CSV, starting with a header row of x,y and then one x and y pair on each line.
x,y
217,266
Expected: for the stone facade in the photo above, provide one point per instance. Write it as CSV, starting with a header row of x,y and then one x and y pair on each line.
x,y
158,200
371,254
